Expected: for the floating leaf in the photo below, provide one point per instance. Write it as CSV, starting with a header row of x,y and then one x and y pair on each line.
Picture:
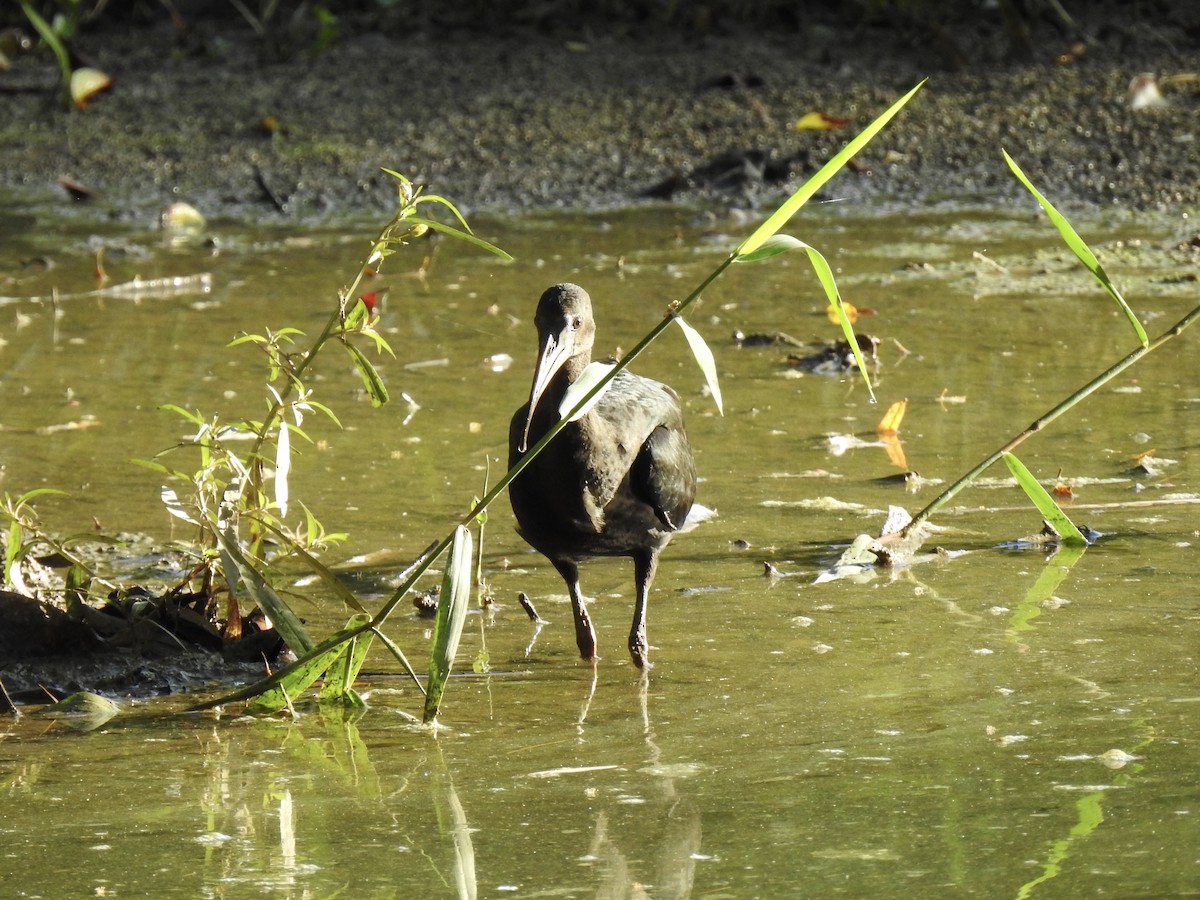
x,y
451,614
1080,249
704,358
83,711
819,121
831,312
587,380
1045,504
181,217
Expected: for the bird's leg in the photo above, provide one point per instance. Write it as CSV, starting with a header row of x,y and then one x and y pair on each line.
x,y
585,635
643,573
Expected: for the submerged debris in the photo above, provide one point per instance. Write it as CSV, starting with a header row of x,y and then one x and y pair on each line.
x,y
837,358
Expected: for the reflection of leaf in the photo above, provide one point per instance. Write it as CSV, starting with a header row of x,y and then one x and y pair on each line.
x,y
1045,586
704,358
1050,510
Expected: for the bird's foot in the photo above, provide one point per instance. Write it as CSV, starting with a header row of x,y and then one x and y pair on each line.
x,y
639,652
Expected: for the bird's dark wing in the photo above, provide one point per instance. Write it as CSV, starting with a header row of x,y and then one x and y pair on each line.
x,y
664,473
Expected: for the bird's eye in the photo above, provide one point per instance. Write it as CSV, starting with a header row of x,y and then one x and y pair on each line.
x,y
576,323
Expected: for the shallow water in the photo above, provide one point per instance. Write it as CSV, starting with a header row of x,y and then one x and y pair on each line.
x,y
993,724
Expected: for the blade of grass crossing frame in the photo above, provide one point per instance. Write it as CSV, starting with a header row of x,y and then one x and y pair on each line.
x,y
1080,249
1045,504
780,217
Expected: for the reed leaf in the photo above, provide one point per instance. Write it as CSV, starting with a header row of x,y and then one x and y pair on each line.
x,y
1080,249
587,380
285,621
283,465
1045,504
704,359
339,677
780,217
451,614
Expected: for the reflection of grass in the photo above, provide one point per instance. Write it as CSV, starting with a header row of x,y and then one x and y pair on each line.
x,y
1043,589
1089,814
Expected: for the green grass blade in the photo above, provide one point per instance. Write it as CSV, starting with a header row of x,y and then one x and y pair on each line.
x,y
451,614
1080,249
1045,504
704,359
805,192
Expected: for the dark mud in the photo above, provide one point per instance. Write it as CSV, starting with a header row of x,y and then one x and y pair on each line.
x,y
603,116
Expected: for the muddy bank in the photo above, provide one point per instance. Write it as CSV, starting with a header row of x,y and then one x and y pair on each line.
x,y
597,117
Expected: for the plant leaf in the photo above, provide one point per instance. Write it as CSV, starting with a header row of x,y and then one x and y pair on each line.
x,y
371,379
285,621
587,381
339,677
1080,249
704,358
283,465
789,207
781,243
1045,504
435,225
451,614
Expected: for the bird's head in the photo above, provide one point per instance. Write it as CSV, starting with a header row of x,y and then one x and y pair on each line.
x,y
566,331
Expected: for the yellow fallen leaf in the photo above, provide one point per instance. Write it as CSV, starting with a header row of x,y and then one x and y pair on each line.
x,y
819,121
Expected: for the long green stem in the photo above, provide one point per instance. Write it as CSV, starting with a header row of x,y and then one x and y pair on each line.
x,y
1046,418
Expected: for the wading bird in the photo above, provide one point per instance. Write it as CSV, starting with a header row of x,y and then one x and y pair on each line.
x,y
618,481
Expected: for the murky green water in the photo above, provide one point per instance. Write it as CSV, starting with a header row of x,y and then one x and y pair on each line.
x,y
995,725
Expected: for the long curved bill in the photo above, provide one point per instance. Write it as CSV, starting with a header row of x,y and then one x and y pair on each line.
x,y
556,349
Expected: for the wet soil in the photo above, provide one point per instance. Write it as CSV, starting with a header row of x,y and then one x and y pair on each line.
x,y
605,115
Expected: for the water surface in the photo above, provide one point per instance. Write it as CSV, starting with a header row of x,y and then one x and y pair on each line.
x,y
999,723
